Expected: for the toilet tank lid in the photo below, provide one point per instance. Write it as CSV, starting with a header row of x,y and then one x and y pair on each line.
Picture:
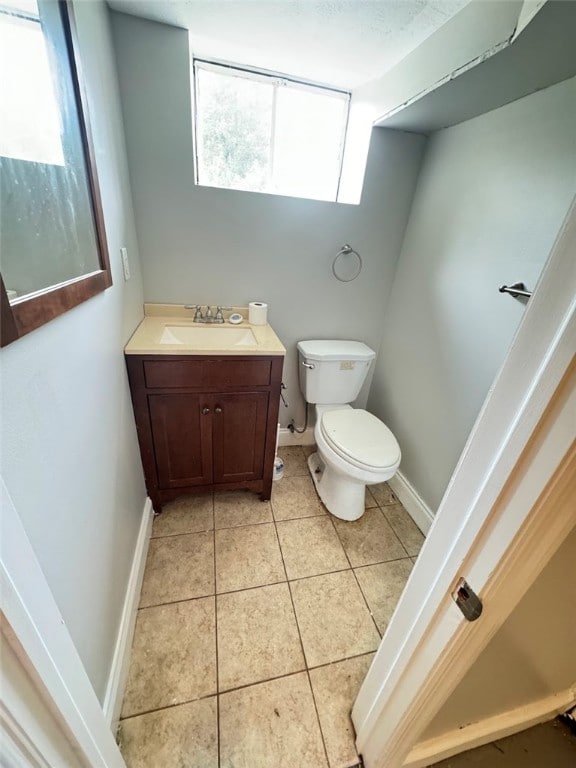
x,y
333,349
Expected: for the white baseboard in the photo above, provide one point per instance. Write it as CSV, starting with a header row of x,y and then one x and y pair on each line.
x,y
412,502
286,438
492,728
121,659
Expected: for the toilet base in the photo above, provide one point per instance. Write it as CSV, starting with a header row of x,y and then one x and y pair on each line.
x,y
342,496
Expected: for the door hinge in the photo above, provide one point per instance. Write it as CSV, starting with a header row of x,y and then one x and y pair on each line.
x,y
467,600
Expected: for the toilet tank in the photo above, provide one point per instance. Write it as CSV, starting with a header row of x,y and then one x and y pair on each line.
x,y
332,372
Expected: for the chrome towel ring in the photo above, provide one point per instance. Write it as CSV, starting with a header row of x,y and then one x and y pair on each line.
x,y
346,250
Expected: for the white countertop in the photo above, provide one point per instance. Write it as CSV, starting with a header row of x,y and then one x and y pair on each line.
x,y
146,338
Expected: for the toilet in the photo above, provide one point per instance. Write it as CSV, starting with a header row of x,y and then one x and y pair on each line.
x,y
355,449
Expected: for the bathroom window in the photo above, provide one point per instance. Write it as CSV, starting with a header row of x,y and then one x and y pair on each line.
x,y
30,126
266,133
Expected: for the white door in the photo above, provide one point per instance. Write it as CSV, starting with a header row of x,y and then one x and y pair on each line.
x,y
498,547
49,713
31,735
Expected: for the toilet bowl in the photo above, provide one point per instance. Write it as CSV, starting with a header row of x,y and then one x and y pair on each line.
x,y
355,448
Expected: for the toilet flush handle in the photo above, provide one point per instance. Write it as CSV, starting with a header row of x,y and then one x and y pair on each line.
x,y
308,365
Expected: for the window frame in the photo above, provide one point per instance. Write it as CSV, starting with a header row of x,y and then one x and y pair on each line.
x,y
33,310
270,78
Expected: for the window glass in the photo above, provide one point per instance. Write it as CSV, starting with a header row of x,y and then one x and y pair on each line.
x,y
308,143
233,132
266,134
29,116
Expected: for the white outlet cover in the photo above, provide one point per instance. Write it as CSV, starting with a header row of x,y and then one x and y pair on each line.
x,y
125,263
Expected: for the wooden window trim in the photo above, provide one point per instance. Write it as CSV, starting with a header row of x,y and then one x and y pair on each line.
x,y
36,309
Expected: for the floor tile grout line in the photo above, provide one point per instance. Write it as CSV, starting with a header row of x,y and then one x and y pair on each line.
x,y
399,504
291,598
380,635
169,706
288,578
179,533
247,685
318,717
393,531
350,567
302,643
214,594
289,477
303,651
320,573
377,505
216,643
176,602
268,522
382,562
210,530
215,527
233,527
264,680
321,515
304,517
273,583
341,661
283,581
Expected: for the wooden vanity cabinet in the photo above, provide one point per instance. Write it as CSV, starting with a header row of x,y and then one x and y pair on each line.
x,y
205,423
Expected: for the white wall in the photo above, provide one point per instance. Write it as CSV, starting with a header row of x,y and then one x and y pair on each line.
x,y
69,455
491,197
531,656
477,30
202,245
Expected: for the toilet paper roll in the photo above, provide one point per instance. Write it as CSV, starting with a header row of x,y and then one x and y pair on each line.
x,y
257,313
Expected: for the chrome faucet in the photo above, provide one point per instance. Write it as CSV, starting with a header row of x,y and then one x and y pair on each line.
x,y
208,317
219,316
197,312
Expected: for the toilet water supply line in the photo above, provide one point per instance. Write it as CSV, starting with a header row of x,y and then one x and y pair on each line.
x,y
291,426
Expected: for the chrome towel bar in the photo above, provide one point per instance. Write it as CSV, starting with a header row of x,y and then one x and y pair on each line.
x,y
516,290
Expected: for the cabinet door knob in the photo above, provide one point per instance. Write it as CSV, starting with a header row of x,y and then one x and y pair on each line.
x,y
205,411
217,409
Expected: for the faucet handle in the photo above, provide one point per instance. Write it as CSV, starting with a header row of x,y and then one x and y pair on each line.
x,y
219,316
197,313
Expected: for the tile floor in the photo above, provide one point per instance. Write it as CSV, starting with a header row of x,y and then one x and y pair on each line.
x,y
257,624
550,745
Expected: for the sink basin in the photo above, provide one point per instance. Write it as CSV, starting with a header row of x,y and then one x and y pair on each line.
x,y
211,337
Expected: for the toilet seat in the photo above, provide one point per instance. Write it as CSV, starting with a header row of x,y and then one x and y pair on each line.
x,y
360,438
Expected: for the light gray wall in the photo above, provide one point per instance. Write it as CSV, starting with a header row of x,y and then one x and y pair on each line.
x,y
491,197
69,455
221,246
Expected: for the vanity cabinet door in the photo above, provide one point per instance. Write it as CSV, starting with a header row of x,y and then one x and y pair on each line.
x,y
205,423
239,436
182,434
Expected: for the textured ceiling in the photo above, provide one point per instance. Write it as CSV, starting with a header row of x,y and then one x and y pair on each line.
x,y
339,42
